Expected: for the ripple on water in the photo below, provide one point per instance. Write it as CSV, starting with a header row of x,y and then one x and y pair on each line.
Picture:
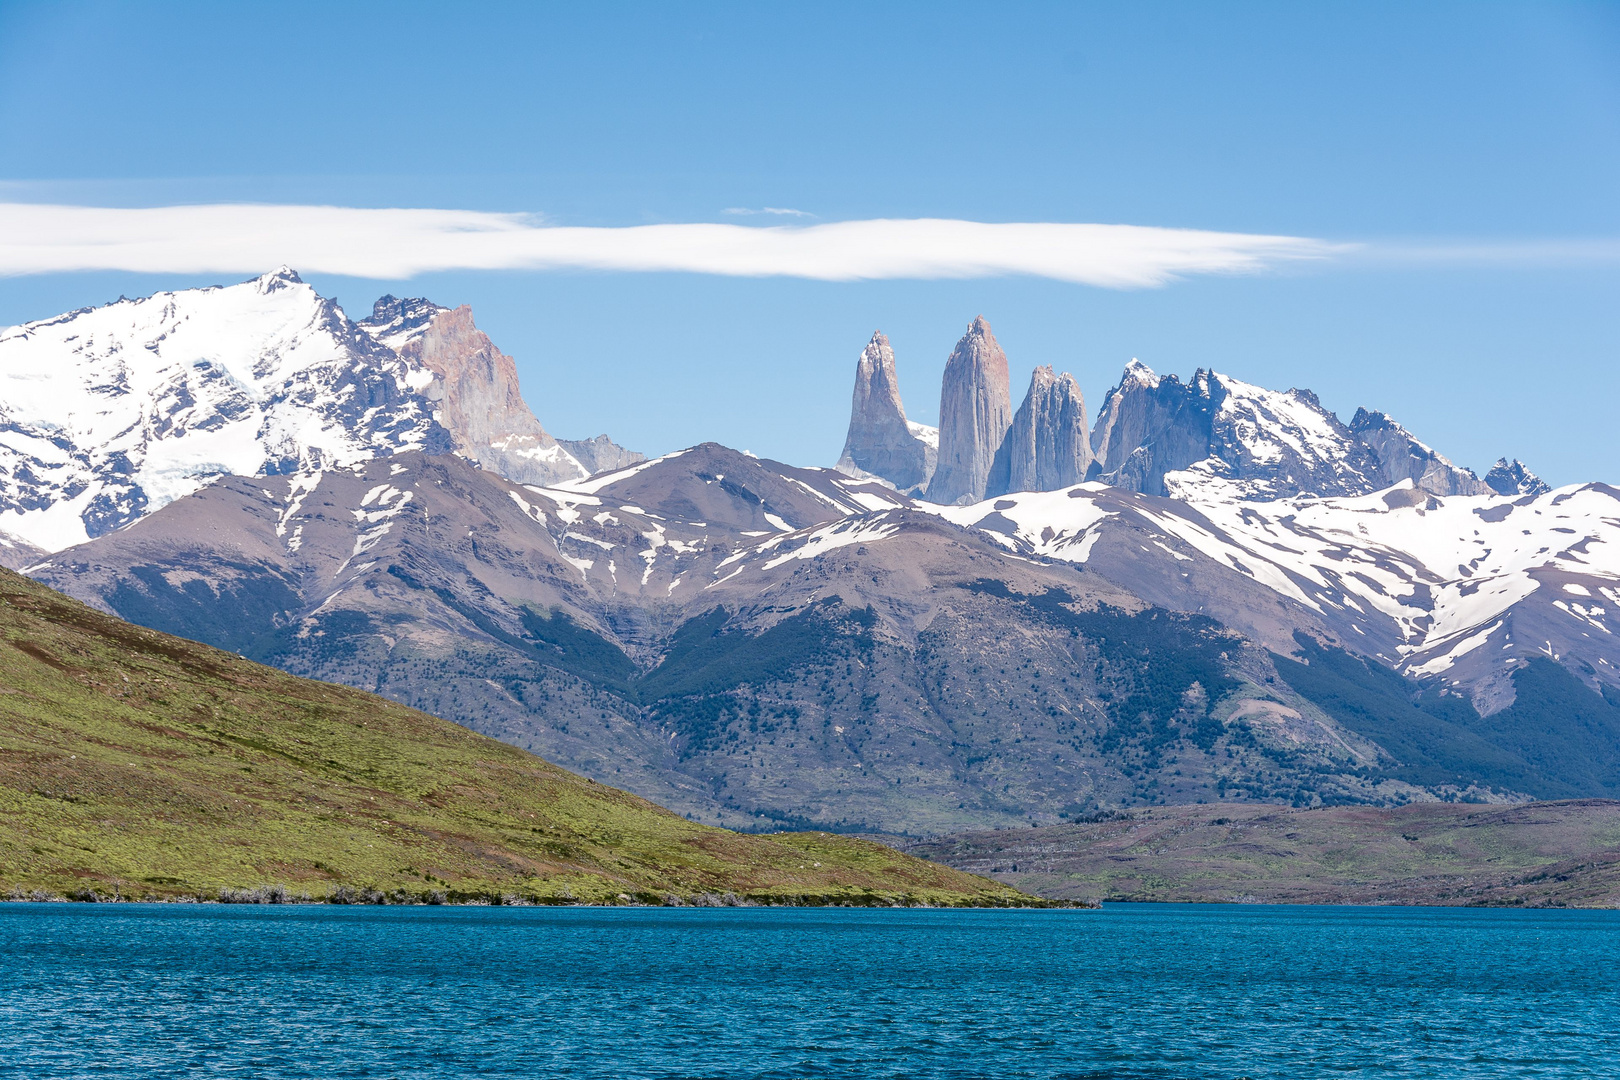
x,y
1149,992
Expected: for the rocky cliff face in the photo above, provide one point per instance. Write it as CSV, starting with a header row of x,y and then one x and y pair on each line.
x,y
1512,478
476,387
1149,426
881,441
975,411
1048,446
1402,457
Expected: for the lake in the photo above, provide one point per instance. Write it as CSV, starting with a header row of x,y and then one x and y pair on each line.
x,y
1132,991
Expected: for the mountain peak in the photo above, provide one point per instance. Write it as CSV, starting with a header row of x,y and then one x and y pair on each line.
x,y
880,441
1402,456
1139,374
476,388
975,411
1047,447
395,321
279,278
1512,478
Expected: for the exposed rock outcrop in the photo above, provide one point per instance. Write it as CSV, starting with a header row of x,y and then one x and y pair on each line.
x,y
601,454
394,321
1047,447
476,387
881,442
1402,457
1512,478
975,411
1149,426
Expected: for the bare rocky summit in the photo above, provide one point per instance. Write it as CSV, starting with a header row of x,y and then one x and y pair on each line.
x,y
881,441
601,454
476,388
975,411
1512,478
1048,446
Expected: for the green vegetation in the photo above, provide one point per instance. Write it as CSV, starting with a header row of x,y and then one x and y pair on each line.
x,y
141,765
1557,740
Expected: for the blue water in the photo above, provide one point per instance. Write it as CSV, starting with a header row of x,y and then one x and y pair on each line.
x,y
1131,991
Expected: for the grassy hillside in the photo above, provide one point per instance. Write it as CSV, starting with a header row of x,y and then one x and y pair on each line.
x,y
1553,854
142,765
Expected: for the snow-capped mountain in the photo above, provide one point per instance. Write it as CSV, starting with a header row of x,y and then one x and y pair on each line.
x,y
109,413
1460,588
712,624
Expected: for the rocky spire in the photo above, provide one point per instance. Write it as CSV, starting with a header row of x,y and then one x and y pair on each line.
x,y
1047,446
1512,478
881,442
975,411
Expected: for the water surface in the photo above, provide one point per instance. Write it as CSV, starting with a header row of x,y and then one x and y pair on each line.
x,y
1132,991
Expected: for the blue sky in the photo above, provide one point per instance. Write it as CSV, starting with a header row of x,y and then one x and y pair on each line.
x,y
1472,149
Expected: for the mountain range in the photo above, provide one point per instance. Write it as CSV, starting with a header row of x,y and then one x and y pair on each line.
x,y
1217,593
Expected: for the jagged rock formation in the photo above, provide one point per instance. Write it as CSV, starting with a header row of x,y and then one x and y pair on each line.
x,y
1266,444
975,411
1402,457
1047,447
601,454
394,321
1149,426
476,387
1513,478
881,442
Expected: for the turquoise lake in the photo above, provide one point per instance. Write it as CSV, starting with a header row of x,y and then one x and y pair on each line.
x,y
1132,991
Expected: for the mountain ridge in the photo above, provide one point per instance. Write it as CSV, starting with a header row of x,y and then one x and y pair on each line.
x,y
753,642
108,413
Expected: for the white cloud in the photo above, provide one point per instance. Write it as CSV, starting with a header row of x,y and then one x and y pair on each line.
x,y
394,244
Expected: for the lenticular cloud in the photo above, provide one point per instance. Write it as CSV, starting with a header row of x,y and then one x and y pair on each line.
x,y
401,243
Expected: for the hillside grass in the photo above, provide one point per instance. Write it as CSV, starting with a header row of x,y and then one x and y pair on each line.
x,y
139,765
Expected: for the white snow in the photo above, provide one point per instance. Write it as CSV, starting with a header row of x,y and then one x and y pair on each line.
x,y
928,436
156,397
1372,553
827,538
